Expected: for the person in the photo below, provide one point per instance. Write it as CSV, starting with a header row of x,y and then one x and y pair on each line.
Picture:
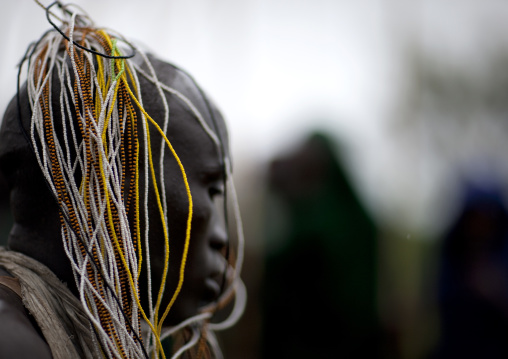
x,y
472,280
118,166
319,283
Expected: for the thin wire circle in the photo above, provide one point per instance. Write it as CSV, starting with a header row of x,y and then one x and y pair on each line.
x,y
48,13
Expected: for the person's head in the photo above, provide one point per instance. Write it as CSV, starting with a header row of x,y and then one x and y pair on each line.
x,y
117,168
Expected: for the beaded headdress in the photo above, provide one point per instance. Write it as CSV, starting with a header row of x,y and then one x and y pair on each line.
x,y
85,159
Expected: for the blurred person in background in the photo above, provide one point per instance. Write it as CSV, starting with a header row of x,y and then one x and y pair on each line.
x,y
473,278
319,287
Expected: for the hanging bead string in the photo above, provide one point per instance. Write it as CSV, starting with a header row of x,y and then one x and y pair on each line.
x,y
99,188
105,256
55,155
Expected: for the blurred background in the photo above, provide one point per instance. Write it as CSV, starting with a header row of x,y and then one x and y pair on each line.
x,y
369,143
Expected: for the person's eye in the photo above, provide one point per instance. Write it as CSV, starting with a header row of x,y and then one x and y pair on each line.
x,y
215,191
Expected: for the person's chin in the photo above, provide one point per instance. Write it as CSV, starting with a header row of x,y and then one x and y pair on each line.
x,y
180,313
211,292
187,306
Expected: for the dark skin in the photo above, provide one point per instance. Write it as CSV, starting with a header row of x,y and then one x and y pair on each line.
x,y
36,230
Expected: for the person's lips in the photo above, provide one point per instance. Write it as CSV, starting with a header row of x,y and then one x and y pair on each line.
x,y
213,289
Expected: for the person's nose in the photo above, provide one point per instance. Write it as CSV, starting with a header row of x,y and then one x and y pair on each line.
x,y
219,236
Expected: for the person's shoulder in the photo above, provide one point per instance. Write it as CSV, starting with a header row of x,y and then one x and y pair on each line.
x,y
18,336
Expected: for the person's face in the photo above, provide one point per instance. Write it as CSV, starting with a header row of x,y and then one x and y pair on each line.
x,y
206,263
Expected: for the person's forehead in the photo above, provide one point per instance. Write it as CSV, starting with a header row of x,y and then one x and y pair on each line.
x,y
193,144
195,126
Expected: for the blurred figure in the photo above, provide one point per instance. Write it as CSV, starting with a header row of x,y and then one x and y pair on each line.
x,y
473,280
320,273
